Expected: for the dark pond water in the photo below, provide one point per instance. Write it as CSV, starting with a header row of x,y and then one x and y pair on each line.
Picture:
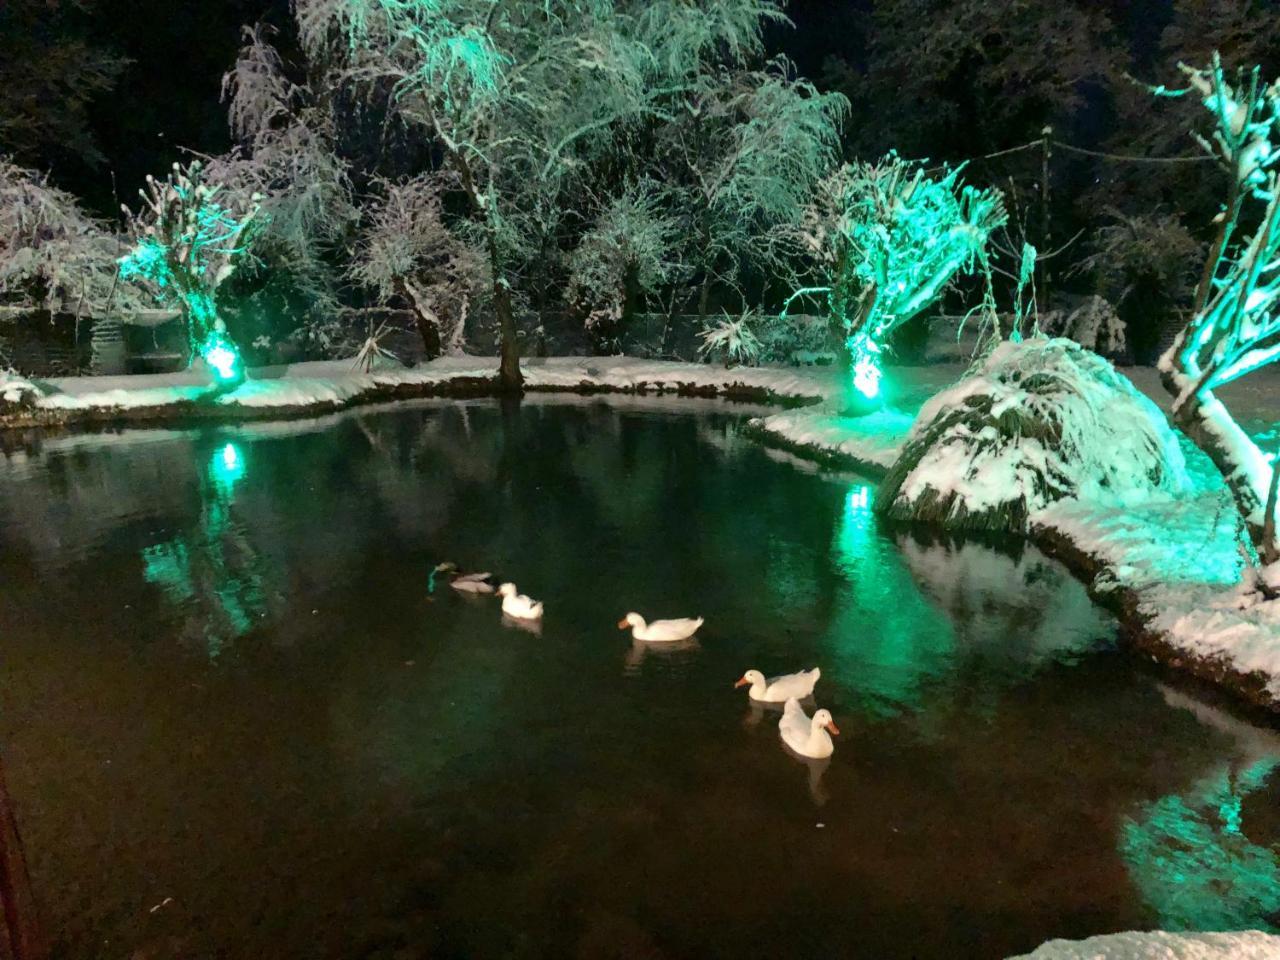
x,y
235,724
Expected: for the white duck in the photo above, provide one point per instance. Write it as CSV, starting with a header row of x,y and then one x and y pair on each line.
x,y
515,604
660,631
780,689
809,738
472,583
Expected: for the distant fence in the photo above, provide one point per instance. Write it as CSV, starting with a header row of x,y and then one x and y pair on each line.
x,y
154,341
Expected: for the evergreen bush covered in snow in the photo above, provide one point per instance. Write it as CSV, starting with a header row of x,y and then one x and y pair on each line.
x,y
1094,324
1037,422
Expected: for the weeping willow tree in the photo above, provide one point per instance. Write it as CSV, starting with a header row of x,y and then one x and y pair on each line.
x,y
523,100
1234,327
886,239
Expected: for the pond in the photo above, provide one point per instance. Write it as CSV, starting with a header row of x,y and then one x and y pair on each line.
x,y
237,724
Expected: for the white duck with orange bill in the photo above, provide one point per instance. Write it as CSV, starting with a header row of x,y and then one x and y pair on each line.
x,y
807,737
779,689
660,631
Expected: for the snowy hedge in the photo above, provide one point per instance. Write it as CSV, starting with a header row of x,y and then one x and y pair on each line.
x,y
1039,421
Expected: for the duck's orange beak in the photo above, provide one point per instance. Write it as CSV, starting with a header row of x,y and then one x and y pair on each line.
x,y
742,682
622,624
831,725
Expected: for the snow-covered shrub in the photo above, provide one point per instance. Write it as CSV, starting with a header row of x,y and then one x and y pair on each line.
x,y
54,256
1039,421
189,237
1094,324
733,339
16,392
407,253
797,338
626,254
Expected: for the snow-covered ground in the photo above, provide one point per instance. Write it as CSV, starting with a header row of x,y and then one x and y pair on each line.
x,y
1158,945
330,384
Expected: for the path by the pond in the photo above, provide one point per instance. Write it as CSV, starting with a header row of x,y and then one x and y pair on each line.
x,y
235,724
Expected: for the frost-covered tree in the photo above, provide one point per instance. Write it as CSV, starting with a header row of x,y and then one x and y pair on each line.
x,y
406,253
188,239
1234,327
625,254
748,148
53,256
520,98
885,239
286,152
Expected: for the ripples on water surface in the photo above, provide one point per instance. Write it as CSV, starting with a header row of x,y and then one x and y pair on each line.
x,y
226,690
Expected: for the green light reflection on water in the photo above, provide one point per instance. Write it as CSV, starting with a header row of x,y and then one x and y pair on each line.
x,y
887,639
1192,863
213,571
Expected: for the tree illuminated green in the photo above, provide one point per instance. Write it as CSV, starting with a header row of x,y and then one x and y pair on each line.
x,y
186,243
885,239
1234,326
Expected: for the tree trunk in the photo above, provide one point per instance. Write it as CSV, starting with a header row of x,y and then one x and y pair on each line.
x,y
510,380
21,931
1244,467
424,317
704,299
630,297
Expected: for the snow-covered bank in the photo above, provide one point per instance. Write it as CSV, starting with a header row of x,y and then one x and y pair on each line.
x,y
1158,945
304,389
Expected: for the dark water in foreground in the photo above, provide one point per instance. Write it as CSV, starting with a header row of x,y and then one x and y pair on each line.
x,y
235,725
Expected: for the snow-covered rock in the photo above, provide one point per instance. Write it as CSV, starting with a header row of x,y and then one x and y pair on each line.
x,y
16,392
1038,422
1158,945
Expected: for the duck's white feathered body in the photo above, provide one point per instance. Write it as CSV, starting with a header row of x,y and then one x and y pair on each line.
x,y
780,689
660,631
516,604
807,737
472,583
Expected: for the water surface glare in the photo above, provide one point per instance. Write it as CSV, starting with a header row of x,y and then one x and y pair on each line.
x,y
235,723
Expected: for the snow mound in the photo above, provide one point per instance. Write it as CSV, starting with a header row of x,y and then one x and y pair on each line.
x,y
16,392
1038,422
1159,945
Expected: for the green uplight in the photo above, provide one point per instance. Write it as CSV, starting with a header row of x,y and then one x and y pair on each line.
x,y
865,354
222,358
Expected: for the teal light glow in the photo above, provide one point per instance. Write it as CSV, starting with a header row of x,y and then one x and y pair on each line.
x,y
1191,862
864,353
227,466
866,377
222,357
